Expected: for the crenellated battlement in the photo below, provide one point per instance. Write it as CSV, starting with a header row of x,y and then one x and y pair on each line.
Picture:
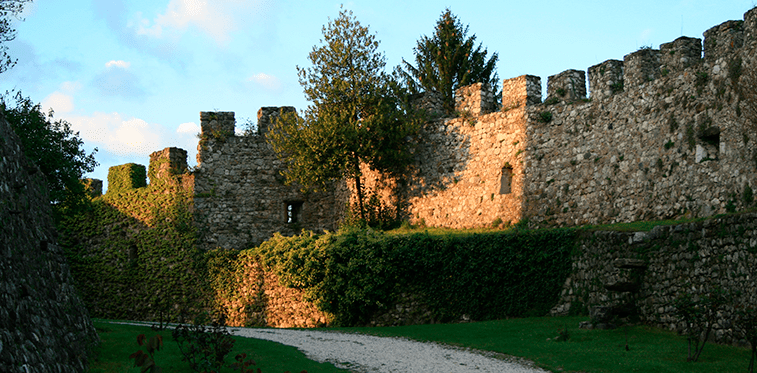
x,y
217,123
167,165
680,54
567,86
662,135
475,99
606,79
269,114
521,91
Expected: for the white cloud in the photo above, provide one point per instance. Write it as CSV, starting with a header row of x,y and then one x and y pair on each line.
x,y
62,100
119,64
180,14
120,135
269,82
218,18
59,102
188,128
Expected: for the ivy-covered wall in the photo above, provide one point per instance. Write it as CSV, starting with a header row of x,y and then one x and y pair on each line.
x,y
364,277
132,250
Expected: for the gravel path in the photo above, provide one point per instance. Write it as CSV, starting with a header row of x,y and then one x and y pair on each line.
x,y
363,353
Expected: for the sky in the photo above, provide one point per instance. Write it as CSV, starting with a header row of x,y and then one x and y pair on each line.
x,y
132,76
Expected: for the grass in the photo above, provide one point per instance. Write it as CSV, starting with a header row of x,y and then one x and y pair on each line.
x,y
119,341
590,351
595,351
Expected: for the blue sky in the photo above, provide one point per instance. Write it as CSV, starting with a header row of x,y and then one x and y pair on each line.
x,y
132,76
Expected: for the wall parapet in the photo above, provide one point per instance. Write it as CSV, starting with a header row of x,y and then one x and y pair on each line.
x,y
268,115
567,86
521,91
606,79
680,54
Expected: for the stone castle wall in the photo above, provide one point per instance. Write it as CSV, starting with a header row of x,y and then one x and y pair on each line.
x,y
670,140
44,326
663,134
644,272
241,199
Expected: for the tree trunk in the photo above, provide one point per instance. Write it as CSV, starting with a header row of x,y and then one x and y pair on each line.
x,y
358,187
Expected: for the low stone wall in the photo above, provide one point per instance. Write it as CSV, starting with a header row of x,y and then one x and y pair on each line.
x,y
688,258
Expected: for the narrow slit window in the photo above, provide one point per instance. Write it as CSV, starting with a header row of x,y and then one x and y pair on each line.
x,y
293,210
506,180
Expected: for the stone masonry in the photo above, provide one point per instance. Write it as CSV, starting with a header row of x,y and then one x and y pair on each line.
x,y
662,134
44,326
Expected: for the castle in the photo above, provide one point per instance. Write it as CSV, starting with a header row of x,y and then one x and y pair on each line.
x,y
664,134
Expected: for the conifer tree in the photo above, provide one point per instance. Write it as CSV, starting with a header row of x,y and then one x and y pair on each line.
x,y
358,113
449,60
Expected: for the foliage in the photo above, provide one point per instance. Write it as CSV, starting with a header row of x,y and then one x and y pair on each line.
x,y
746,324
378,214
117,340
242,363
699,312
63,164
133,255
359,113
126,176
204,348
356,273
146,361
545,116
449,60
8,9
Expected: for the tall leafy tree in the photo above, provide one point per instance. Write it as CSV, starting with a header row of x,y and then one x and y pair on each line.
x,y
358,114
52,145
448,60
8,9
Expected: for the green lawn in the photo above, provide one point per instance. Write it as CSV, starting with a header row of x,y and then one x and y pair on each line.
x,y
119,341
596,351
592,351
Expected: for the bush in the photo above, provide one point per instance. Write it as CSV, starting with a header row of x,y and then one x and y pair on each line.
x,y
356,273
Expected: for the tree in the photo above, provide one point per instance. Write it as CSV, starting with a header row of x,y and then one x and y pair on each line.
x,y
53,146
447,61
8,8
359,114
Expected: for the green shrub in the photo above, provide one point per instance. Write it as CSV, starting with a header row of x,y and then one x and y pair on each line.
x,y
356,273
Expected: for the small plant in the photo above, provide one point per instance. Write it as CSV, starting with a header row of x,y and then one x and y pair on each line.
x,y
664,72
562,334
204,348
561,92
616,87
690,136
730,207
669,144
748,195
146,361
734,69
699,313
241,365
497,222
746,323
545,116
552,101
